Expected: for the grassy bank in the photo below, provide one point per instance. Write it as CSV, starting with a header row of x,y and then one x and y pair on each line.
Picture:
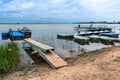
x,y
8,57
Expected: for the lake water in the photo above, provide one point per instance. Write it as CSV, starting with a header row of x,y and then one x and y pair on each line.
x,y
47,34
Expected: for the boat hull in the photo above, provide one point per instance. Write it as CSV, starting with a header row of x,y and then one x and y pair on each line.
x,y
80,37
114,35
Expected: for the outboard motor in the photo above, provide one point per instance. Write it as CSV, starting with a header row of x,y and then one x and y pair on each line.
x,y
119,36
78,28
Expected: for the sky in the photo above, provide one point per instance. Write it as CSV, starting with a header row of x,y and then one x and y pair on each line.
x,y
58,11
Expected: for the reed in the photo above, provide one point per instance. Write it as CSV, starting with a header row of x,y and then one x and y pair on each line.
x,y
94,40
107,42
81,41
70,38
9,57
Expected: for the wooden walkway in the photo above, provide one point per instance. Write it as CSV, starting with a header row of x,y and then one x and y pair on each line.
x,y
47,54
38,45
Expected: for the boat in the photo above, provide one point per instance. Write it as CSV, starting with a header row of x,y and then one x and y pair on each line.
x,y
17,35
107,38
114,35
92,28
104,32
95,33
80,36
95,36
104,29
27,32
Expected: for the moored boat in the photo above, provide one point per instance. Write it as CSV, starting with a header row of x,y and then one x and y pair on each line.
x,y
27,32
114,35
80,36
17,35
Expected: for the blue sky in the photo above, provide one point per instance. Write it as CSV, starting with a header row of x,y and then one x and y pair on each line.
x,y
58,11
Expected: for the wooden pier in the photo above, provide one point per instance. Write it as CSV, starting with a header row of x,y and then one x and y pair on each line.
x,y
47,54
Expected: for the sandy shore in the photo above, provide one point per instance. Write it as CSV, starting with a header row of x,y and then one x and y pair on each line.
x,y
103,64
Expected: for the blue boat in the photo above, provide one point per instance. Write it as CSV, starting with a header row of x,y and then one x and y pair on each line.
x,y
17,35
114,35
104,29
92,33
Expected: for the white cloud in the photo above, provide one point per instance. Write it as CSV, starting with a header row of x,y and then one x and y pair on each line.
x,y
101,7
58,1
28,5
66,9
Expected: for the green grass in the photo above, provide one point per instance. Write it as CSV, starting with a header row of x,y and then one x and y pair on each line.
x,y
94,40
65,38
107,42
9,57
82,41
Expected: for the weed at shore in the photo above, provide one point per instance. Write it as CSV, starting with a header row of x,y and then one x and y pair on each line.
x,y
8,57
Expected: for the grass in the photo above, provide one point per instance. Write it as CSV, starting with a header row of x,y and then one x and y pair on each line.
x,y
82,41
94,40
107,42
9,57
65,38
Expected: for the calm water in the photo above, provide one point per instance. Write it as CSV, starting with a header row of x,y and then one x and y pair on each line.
x,y
47,34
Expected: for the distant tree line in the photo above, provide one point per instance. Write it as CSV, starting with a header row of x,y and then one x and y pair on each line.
x,y
101,22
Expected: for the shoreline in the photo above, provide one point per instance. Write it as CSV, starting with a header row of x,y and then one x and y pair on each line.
x,y
94,65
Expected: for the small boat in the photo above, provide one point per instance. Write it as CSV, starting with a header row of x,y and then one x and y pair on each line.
x,y
27,32
114,35
104,29
92,28
104,32
107,38
16,35
94,36
95,33
80,36
84,34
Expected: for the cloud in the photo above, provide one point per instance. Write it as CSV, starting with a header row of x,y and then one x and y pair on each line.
x,y
60,10
28,5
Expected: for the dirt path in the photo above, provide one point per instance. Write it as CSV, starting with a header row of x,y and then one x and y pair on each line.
x,y
101,64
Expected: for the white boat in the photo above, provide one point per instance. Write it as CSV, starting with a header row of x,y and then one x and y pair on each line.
x,y
94,36
107,38
76,36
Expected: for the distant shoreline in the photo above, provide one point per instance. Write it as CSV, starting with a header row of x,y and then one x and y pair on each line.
x,y
36,23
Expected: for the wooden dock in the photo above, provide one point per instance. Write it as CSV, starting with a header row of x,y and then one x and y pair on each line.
x,y
47,54
38,45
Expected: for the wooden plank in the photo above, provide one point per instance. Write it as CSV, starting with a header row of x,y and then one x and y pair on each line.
x,y
38,45
53,59
50,56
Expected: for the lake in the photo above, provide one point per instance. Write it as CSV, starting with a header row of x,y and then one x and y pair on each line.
x,y
47,34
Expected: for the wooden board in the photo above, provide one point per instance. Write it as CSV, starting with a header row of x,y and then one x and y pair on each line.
x,y
53,59
38,45
47,54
